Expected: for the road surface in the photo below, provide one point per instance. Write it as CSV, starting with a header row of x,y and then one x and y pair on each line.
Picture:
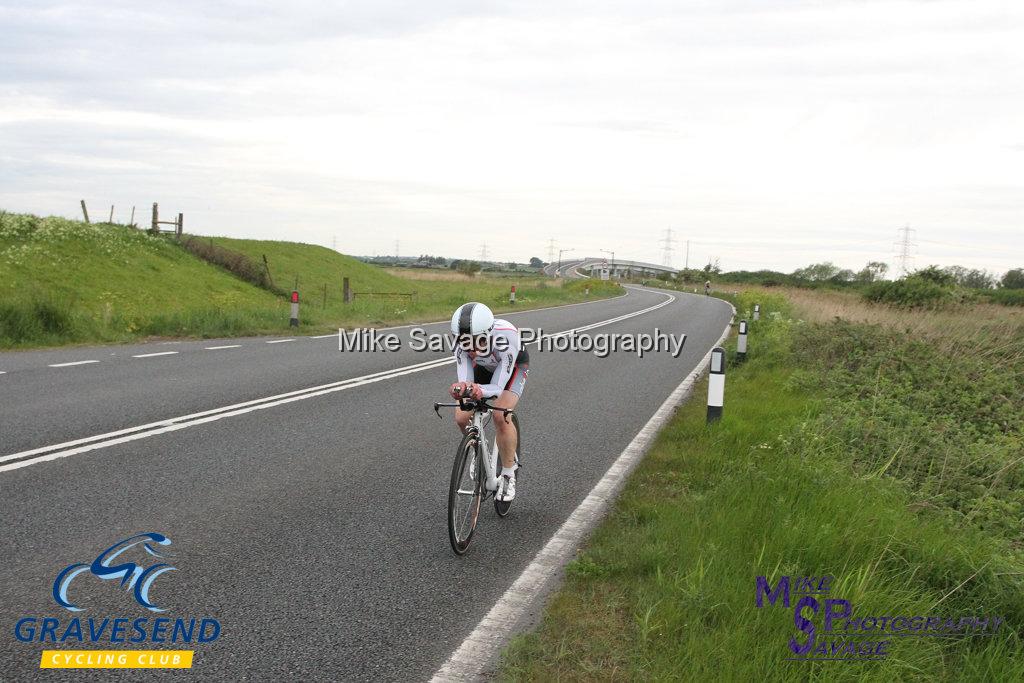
x,y
304,489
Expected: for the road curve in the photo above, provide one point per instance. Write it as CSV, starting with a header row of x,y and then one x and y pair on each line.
x,y
308,512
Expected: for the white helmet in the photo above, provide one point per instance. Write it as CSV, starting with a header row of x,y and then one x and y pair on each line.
x,y
473,319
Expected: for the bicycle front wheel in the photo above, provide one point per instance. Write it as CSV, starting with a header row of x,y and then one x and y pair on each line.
x,y
465,493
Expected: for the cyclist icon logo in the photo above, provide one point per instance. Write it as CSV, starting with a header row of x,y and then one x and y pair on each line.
x,y
137,578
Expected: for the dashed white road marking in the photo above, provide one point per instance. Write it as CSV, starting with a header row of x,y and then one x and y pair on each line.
x,y
77,362
150,355
226,346
282,341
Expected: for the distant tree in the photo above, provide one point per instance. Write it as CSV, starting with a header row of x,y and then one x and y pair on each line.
x,y
536,262
874,270
1014,279
936,275
712,268
817,272
843,276
512,265
470,268
455,264
971,277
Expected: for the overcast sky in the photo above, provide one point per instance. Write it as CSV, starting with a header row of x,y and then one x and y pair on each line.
x,y
770,134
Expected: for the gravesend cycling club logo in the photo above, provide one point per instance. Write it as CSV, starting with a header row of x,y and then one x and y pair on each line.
x,y
131,565
137,578
843,635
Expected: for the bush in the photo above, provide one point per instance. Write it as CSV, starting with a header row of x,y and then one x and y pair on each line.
x,y
1006,297
234,262
910,292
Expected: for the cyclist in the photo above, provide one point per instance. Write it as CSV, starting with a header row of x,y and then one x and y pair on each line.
x,y
491,362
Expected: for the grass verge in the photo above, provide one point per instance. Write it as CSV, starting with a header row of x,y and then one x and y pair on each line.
x,y
821,465
66,282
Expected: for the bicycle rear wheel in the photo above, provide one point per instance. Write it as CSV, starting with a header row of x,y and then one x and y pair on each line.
x,y
503,507
465,493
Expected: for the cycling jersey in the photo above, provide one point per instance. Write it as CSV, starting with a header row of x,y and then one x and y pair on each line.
x,y
503,367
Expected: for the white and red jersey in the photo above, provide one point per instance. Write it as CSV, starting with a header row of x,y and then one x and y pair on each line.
x,y
498,366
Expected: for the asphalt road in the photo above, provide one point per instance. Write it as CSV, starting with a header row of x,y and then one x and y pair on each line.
x,y
311,525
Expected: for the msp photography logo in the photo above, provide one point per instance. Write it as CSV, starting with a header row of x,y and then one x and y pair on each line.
x,y
840,635
133,565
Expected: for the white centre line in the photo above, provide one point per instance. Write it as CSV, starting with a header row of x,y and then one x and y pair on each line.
x,y
228,346
150,355
282,341
77,362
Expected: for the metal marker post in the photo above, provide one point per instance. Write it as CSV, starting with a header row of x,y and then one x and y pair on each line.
x,y
716,384
294,322
512,295
757,312
741,342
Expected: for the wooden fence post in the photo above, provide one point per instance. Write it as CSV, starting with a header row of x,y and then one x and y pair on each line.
x,y
156,218
111,219
132,221
181,222
346,291
266,266
85,212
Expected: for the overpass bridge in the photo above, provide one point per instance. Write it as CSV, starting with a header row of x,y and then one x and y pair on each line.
x,y
617,268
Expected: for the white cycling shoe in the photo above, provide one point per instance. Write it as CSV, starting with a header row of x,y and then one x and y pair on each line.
x,y
506,489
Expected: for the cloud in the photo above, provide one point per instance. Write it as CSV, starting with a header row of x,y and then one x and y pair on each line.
x,y
599,123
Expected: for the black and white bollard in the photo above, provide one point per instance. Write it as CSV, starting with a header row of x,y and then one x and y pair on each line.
x,y
741,343
757,312
512,295
294,322
716,384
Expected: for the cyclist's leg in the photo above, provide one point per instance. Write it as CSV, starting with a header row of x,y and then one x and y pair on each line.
x,y
506,431
509,398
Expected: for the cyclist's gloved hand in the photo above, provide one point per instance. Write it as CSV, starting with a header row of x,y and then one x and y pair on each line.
x,y
476,392
458,389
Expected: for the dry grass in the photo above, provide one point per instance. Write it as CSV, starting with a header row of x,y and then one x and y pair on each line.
x,y
425,274
954,329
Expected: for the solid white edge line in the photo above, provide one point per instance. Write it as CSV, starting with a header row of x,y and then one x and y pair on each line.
x,y
98,441
77,362
279,341
481,647
161,353
217,348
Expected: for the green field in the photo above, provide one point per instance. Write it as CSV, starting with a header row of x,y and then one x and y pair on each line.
x,y
64,281
878,446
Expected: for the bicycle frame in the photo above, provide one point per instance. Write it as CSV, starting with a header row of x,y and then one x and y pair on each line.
x,y
489,452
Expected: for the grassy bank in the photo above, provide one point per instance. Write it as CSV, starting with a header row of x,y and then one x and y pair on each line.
x,y
888,459
64,281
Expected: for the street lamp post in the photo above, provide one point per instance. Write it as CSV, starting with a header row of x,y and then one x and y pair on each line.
x,y
560,252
